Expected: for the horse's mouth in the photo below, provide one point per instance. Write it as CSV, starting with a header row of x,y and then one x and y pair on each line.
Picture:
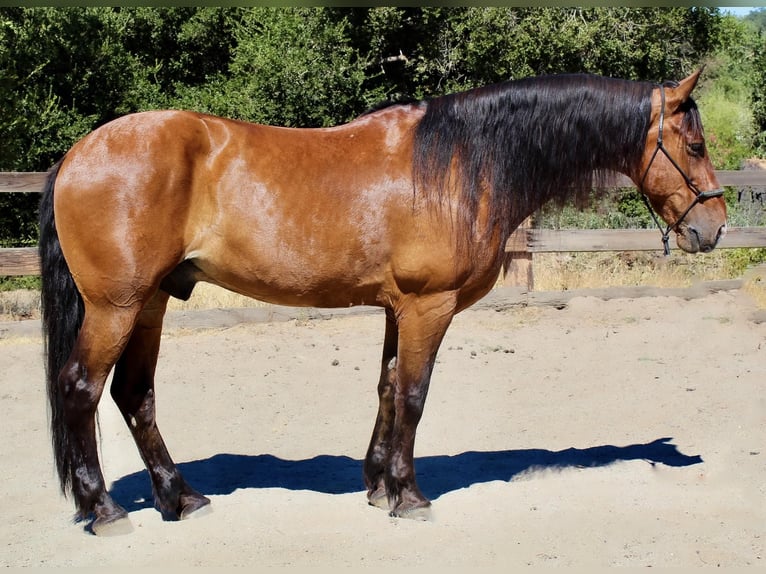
x,y
689,239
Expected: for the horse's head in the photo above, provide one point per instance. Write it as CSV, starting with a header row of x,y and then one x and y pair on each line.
x,y
676,175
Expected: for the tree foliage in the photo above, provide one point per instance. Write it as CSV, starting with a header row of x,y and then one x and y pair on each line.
x,y
291,67
759,95
757,18
725,94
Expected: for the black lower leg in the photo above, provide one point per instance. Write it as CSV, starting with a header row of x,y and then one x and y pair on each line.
x,y
175,499
133,391
376,460
85,478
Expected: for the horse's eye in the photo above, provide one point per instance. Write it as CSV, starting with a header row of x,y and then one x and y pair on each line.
x,y
696,149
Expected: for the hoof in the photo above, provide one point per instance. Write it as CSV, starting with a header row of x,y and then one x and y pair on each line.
x,y
116,527
378,499
421,513
196,508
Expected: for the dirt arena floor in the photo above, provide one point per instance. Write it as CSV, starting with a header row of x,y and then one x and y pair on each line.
x,y
628,431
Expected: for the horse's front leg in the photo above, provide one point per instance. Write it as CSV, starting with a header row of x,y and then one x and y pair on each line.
x,y
422,323
376,461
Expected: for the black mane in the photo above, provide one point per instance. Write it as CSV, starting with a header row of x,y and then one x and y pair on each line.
x,y
531,141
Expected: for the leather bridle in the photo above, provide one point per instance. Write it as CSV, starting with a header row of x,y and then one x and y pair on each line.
x,y
699,196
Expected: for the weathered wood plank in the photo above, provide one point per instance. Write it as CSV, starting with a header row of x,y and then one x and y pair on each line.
x,y
741,178
563,240
19,261
507,297
738,178
744,237
22,181
558,240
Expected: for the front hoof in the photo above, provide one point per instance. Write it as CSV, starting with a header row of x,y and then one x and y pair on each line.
x,y
378,499
112,527
422,513
195,506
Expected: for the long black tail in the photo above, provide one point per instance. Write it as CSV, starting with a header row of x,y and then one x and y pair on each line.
x,y
62,315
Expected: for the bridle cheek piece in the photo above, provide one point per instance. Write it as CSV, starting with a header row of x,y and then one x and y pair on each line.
x,y
699,196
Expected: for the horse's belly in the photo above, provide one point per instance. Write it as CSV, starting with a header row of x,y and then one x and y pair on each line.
x,y
297,279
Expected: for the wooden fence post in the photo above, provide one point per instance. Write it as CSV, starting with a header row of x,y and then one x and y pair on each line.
x,y
519,271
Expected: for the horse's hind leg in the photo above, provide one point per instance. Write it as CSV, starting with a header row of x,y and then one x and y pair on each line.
x,y
78,390
133,391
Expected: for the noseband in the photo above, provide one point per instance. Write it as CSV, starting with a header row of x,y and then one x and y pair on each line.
x,y
699,196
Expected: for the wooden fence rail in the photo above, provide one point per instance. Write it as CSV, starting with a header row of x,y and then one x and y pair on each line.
x,y
523,243
563,240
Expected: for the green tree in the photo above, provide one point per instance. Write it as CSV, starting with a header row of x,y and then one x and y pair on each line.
x,y
447,49
290,67
63,71
757,18
759,97
180,47
724,94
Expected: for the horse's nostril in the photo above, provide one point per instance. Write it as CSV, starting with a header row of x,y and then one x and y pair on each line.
x,y
695,234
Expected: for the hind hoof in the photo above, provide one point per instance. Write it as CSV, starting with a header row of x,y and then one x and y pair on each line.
x,y
117,527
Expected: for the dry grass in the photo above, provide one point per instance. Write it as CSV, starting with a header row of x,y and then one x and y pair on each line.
x,y
565,271
553,272
23,304
755,285
207,296
19,304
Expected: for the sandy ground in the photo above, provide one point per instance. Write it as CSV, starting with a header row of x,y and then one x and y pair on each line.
x,y
619,432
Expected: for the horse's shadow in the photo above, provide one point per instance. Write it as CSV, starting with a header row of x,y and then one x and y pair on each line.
x,y
437,475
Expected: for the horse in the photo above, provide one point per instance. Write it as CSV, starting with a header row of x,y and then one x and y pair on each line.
x,y
407,208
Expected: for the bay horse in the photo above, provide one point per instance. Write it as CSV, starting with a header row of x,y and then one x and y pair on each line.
x,y
407,208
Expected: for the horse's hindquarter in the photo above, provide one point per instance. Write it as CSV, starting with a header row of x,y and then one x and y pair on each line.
x,y
121,202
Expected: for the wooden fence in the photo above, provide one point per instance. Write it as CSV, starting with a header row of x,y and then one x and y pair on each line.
x,y
522,245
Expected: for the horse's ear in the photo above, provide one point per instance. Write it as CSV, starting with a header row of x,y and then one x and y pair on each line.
x,y
679,94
